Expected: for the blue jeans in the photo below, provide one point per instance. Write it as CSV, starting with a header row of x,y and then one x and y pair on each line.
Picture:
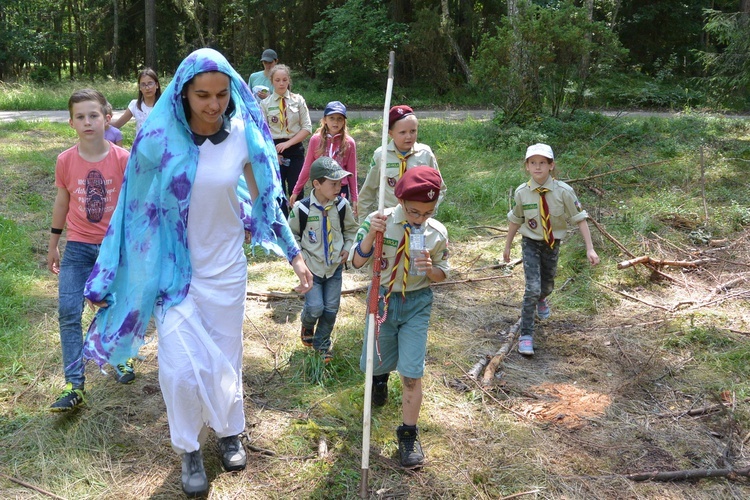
x,y
77,263
321,307
540,268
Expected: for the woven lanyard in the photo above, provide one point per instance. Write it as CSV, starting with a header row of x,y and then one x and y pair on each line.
x,y
327,234
402,162
282,116
549,238
333,153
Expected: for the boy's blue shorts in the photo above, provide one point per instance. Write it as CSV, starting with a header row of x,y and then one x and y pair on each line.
x,y
402,342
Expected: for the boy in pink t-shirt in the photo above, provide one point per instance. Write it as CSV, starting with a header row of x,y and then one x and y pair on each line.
x,y
88,177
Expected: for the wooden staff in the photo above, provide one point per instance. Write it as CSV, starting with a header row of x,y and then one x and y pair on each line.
x,y
372,323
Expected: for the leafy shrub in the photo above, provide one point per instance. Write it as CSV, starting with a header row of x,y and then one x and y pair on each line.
x,y
41,74
352,42
543,58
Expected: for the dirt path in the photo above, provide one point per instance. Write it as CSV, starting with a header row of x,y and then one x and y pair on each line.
x,y
315,115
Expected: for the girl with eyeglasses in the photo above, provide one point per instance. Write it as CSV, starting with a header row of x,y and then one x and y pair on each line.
x,y
149,92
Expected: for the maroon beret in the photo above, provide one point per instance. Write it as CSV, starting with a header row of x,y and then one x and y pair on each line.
x,y
420,183
398,112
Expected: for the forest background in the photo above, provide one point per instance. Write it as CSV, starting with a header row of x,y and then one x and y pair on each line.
x,y
515,55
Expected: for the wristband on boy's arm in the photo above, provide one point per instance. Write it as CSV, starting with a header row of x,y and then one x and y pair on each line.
x,y
55,230
359,251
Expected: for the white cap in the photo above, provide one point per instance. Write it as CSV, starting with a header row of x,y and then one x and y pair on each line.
x,y
540,149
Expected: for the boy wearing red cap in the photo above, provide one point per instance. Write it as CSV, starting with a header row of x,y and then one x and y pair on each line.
x,y
406,298
541,210
402,152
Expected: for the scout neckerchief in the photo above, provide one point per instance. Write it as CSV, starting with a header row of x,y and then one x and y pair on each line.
x,y
282,114
327,233
401,252
402,161
549,238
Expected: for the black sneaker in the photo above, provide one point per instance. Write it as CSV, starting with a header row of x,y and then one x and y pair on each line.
x,y
233,456
380,389
194,480
71,397
409,448
126,372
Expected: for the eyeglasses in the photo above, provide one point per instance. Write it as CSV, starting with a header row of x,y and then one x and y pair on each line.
x,y
147,85
415,213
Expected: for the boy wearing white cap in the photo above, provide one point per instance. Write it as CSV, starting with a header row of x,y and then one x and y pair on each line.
x,y
541,210
324,226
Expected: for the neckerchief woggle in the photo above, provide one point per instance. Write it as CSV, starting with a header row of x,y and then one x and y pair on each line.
x,y
143,266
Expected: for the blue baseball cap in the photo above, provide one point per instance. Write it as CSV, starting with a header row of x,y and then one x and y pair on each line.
x,y
334,107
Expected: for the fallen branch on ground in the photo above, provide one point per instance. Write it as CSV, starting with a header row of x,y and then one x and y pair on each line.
x,y
612,172
730,284
625,250
31,486
659,263
501,265
363,288
492,366
684,475
705,410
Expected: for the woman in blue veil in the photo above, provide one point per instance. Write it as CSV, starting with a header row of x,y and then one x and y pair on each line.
x,y
202,179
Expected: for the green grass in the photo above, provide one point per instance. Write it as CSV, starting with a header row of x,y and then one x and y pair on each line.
x,y
477,448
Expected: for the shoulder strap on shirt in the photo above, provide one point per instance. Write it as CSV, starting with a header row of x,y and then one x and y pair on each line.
x,y
304,210
341,207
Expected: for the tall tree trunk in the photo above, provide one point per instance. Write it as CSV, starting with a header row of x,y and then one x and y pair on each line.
x,y
447,29
150,22
615,12
115,35
516,88
214,10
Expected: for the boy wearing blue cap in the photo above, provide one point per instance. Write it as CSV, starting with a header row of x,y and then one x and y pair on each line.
x,y
406,299
541,210
324,227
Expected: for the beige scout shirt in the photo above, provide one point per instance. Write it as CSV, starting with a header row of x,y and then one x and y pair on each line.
x,y
297,115
563,206
435,240
420,154
310,238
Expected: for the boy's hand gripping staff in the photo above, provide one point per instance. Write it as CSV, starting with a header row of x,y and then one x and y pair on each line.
x,y
372,305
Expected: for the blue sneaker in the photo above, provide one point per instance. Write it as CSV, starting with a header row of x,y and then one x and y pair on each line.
x,y
542,309
526,345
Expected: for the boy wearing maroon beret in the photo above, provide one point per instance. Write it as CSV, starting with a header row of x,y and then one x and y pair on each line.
x,y
405,295
402,152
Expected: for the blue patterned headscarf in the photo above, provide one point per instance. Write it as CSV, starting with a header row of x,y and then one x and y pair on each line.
x,y
144,260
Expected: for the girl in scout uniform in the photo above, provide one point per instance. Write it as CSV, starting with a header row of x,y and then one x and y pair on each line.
x,y
542,208
402,152
406,299
289,120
